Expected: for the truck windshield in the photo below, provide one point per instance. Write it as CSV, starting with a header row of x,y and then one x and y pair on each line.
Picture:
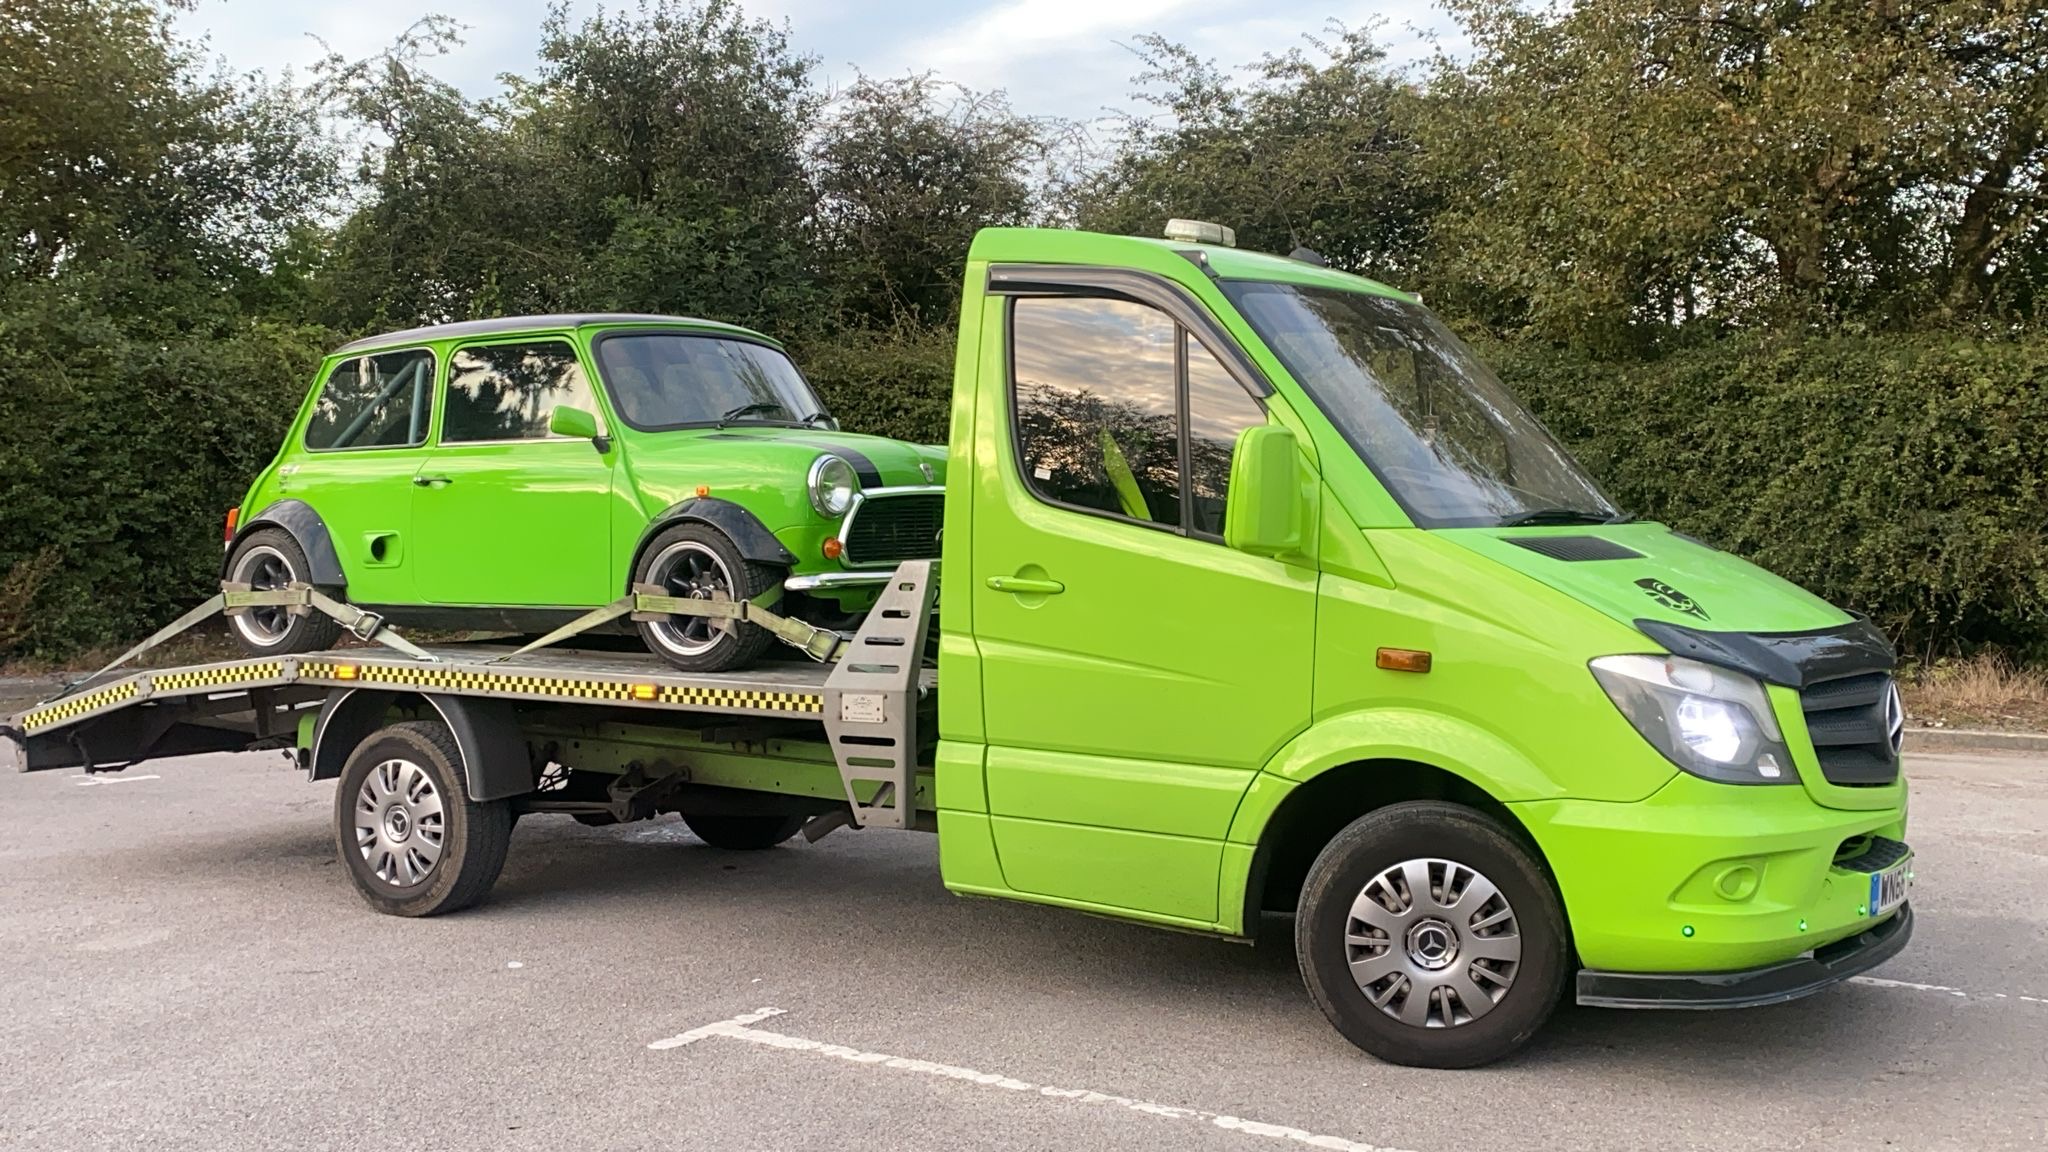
x,y
1430,419
662,380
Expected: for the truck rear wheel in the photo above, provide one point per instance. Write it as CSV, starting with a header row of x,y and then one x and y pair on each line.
x,y
742,833
1430,937
414,842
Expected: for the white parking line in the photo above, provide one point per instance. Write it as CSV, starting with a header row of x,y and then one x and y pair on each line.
x,y
741,1028
95,781
1943,989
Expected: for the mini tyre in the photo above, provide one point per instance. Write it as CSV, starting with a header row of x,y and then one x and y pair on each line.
x,y
1431,937
414,842
698,562
742,833
270,558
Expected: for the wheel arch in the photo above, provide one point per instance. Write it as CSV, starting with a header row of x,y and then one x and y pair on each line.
x,y
1349,765
303,524
743,528
495,763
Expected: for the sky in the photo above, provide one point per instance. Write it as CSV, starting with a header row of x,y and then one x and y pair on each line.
x,y
1063,58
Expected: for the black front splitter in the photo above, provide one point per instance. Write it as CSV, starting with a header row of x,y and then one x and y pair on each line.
x,y
1751,987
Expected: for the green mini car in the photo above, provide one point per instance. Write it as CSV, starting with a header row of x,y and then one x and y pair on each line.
x,y
514,473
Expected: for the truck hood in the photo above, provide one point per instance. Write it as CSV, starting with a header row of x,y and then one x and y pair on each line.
x,y
1635,572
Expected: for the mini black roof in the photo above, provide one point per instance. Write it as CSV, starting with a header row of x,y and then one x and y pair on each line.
x,y
500,325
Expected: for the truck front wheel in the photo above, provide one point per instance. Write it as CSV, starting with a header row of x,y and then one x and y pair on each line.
x,y
414,842
1430,937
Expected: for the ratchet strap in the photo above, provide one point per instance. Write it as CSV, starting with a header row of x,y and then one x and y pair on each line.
x,y
651,602
297,599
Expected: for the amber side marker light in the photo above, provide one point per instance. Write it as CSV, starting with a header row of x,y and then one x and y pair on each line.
x,y
1403,660
643,691
234,517
703,490
345,671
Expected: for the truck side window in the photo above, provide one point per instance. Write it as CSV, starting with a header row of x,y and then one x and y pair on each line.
x,y
374,402
508,391
1218,410
1097,417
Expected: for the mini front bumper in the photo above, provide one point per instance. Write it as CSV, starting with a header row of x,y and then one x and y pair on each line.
x,y
1751,987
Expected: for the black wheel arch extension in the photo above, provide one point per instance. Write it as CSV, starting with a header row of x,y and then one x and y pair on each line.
x,y
305,526
743,528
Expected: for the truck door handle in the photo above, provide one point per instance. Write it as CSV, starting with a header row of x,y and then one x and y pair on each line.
x,y
432,481
1026,586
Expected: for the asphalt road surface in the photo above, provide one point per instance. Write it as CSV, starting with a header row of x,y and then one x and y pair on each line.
x,y
183,965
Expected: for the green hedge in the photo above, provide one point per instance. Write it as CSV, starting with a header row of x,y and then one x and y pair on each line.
x,y
119,458
1905,477
895,383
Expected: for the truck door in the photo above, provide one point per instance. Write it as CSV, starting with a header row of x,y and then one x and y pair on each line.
x,y
1136,672
504,512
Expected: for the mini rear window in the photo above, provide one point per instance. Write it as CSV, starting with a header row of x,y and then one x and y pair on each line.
x,y
379,401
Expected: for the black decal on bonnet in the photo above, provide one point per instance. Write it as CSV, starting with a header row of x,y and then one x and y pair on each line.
x,y
1671,597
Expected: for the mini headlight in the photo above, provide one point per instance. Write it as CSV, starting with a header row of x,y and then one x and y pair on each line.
x,y
833,484
1712,722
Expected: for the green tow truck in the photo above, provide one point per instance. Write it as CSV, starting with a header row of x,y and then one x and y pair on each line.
x,y
1260,595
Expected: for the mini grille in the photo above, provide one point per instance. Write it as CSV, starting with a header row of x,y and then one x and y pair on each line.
x,y
1575,547
892,529
1850,726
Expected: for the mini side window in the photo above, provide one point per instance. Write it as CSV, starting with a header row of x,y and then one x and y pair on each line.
x,y
381,401
1122,411
509,391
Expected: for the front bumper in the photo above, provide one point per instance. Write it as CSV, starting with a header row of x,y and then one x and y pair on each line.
x,y
1751,987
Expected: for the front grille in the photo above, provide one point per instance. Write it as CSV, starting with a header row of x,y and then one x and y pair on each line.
x,y
1851,730
891,528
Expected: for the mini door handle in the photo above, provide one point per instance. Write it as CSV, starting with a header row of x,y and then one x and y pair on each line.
x,y
1024,585
431,481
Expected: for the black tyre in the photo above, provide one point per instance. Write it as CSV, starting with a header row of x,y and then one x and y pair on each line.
x,y
743,833
269,558
414,842
1431,937
698,562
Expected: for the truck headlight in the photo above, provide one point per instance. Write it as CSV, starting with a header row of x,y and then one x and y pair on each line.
x,y
833,485
1711,722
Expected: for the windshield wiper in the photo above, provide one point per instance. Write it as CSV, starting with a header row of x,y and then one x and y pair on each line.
x,y
1562,516
815,419
750,409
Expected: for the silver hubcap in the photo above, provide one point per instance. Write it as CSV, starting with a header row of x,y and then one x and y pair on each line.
x,y
400,825
263,567
1432,943
692,571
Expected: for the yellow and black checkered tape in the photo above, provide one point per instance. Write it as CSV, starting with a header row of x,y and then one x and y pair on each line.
x,y
216,677
474,681
74,707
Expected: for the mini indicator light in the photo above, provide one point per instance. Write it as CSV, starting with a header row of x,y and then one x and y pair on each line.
x,y
703,489
643,691
833,548
1686,931
345,671
1863,910
1403,660
1802,925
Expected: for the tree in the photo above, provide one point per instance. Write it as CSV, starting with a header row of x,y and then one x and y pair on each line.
x,y
907,171
1306,151
1622,167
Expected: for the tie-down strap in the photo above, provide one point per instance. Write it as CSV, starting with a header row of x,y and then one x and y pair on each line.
x,y
651,602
